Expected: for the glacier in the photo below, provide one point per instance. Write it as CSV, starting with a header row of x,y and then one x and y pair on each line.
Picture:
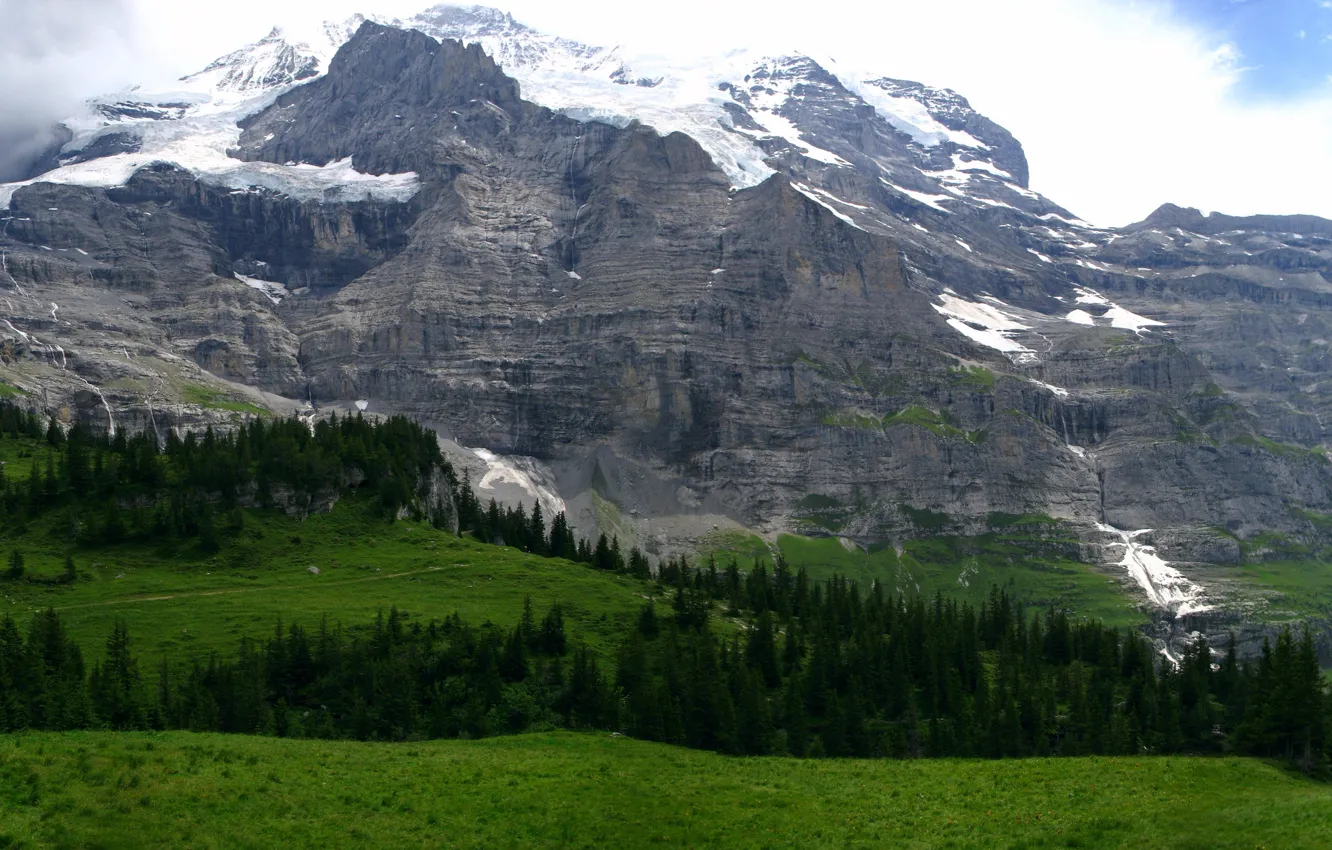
x,y
192,122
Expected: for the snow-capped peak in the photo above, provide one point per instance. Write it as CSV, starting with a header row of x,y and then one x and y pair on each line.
x,y
272,61
754,112
194,123
515,46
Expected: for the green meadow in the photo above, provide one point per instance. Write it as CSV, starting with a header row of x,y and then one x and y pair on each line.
x,y
182,602
966,569
89,789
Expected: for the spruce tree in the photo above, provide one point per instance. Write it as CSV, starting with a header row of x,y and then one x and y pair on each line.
x,y
15,570
552,639
118,698
527,623
536,534
601,558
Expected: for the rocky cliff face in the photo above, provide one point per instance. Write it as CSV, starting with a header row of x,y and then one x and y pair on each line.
x,y
833,304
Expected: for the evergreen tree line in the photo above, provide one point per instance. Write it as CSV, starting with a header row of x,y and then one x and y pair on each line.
x,y
841,675
393,680
133,487
826,670
514,526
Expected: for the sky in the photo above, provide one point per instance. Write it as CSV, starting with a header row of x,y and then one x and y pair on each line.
x,y
1121,105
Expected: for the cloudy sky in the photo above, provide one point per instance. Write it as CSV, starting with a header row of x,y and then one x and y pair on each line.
x,y
1219,104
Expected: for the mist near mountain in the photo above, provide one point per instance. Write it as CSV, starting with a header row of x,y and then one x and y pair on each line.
x,y
49,51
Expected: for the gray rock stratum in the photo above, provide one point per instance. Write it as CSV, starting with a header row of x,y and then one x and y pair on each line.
x,y
799,300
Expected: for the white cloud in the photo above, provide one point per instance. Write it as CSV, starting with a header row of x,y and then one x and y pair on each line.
x,y
1121,106
49,53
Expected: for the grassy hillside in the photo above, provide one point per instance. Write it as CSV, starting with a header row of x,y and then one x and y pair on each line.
x,y
1292,587
179,600
966,568
1028,565
566,789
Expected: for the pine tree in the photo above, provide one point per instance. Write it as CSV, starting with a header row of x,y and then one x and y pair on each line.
x,y
112,525
15,675
207,533
561,540
513,661
794,720
118,698
1309,710
754,716
761,651
552,639
647,620
536,533
601,558
15,571
638,564
527,624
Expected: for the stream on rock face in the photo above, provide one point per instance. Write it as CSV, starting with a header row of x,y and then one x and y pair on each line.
x,y
110,417
1165,586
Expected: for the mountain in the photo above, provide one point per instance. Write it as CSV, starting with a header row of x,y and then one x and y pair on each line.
x,y
757,294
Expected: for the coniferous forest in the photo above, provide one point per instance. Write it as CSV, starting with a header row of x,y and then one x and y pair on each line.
x,y
133,487
740,661
821,671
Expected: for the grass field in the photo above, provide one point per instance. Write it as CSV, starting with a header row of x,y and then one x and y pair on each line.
x,y
967,568
959,567
1300,586
184,603
582,790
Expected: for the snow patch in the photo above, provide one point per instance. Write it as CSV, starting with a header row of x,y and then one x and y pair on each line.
x,y
1075,221
1130,321
1118,317
765,115
810,193
991,202
1091,296
925,198
205,157
830,196
908,115
965,170
1059,391
985,324
520,472
271,290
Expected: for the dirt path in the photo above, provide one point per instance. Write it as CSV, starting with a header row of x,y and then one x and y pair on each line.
x,y
240,590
